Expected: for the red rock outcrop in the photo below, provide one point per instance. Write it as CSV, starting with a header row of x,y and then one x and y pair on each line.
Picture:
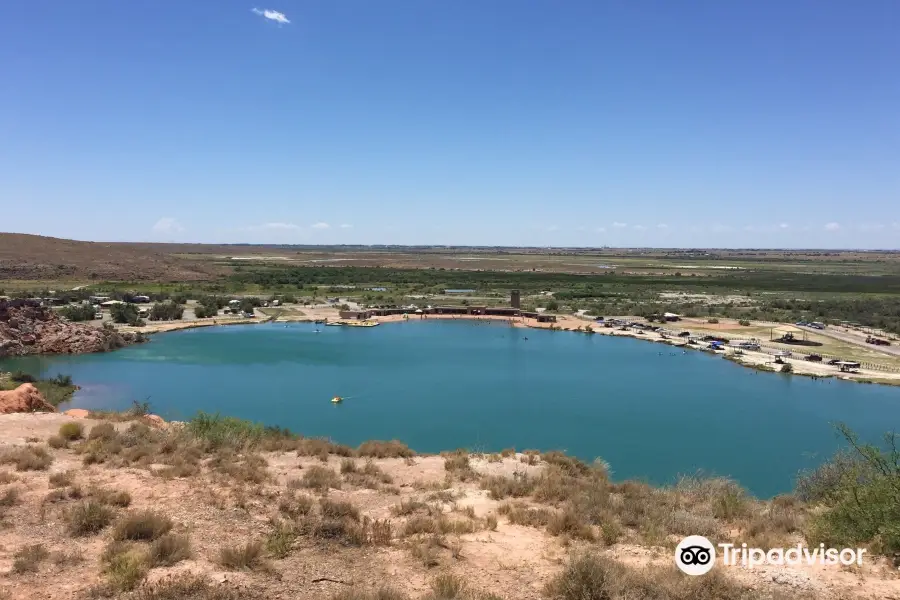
x,y
25,398
28,328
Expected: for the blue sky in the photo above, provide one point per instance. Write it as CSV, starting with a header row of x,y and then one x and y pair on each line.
x,y
565,122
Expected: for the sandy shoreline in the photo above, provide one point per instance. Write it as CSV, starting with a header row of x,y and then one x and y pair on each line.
x,y
564,323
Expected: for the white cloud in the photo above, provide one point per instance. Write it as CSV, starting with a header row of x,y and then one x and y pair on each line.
x,y
662,226
783,225
640,228
346,226
618,225
895,225
832,226
279,226
601,229
321,225
168,225
272,15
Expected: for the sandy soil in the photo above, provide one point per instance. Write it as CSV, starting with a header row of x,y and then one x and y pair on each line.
x,y
512,561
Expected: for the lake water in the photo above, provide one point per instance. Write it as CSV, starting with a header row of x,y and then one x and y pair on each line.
x,y
651,411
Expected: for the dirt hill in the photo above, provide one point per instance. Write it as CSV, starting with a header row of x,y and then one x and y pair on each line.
x,y
211,511
34,257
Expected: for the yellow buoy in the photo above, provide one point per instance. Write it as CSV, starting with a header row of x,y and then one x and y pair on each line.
x,y
337,399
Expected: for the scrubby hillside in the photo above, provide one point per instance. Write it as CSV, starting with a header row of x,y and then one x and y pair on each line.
x,y
35,257
217,509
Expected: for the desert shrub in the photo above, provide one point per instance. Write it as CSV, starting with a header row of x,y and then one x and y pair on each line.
x,y
333,509
787,368
247,556
280,540
730,502
383,593
744,323
103,431
296,505
320,478
169,549
503,487
188,586
27,458
71,431
88,518
379,449
859,491
220,431
713,320
125,313
408,507
490,521
61,479
119,498
570,522
520,514
125,565
28,559
10,497
419,524
142,526
348,465
57,443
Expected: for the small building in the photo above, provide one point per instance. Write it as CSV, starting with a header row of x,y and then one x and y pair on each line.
x,y
450,310
502,311
540,317
355,314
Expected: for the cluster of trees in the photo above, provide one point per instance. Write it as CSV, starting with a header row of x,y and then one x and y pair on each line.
x,y
125,313
166,311
78,312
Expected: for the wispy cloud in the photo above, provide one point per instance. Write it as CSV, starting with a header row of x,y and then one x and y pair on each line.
x,y
869,227
346,226
277,227
662,226
618,225
601,229
832,226
640,228
272,15
321,225
168,225
783,226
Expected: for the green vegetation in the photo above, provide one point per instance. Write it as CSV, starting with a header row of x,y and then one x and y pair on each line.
x,y
859,490
166,311
55,390
125,313
78,312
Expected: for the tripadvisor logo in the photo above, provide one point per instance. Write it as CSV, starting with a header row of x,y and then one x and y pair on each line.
x,y
696,555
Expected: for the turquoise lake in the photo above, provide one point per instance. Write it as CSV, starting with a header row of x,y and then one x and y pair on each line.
x,y
651,411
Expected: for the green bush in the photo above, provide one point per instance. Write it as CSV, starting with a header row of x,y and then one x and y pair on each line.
x,y
859,490
744,323
71,431
166,311
78,312
125,313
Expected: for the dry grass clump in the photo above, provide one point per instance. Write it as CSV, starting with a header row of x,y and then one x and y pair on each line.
x,y
333,509
383,593
61,479
7,477
446,587
588,576
321,448
27,458
296,505
571,523
28,559
320,478
365,532
239,557
500,487
88,518
246,468
369,476
280,540
142,526
119,498
9,497
380,449
408,507
57,443
169,549
71,431
187,586
520,514
125,565
457,464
